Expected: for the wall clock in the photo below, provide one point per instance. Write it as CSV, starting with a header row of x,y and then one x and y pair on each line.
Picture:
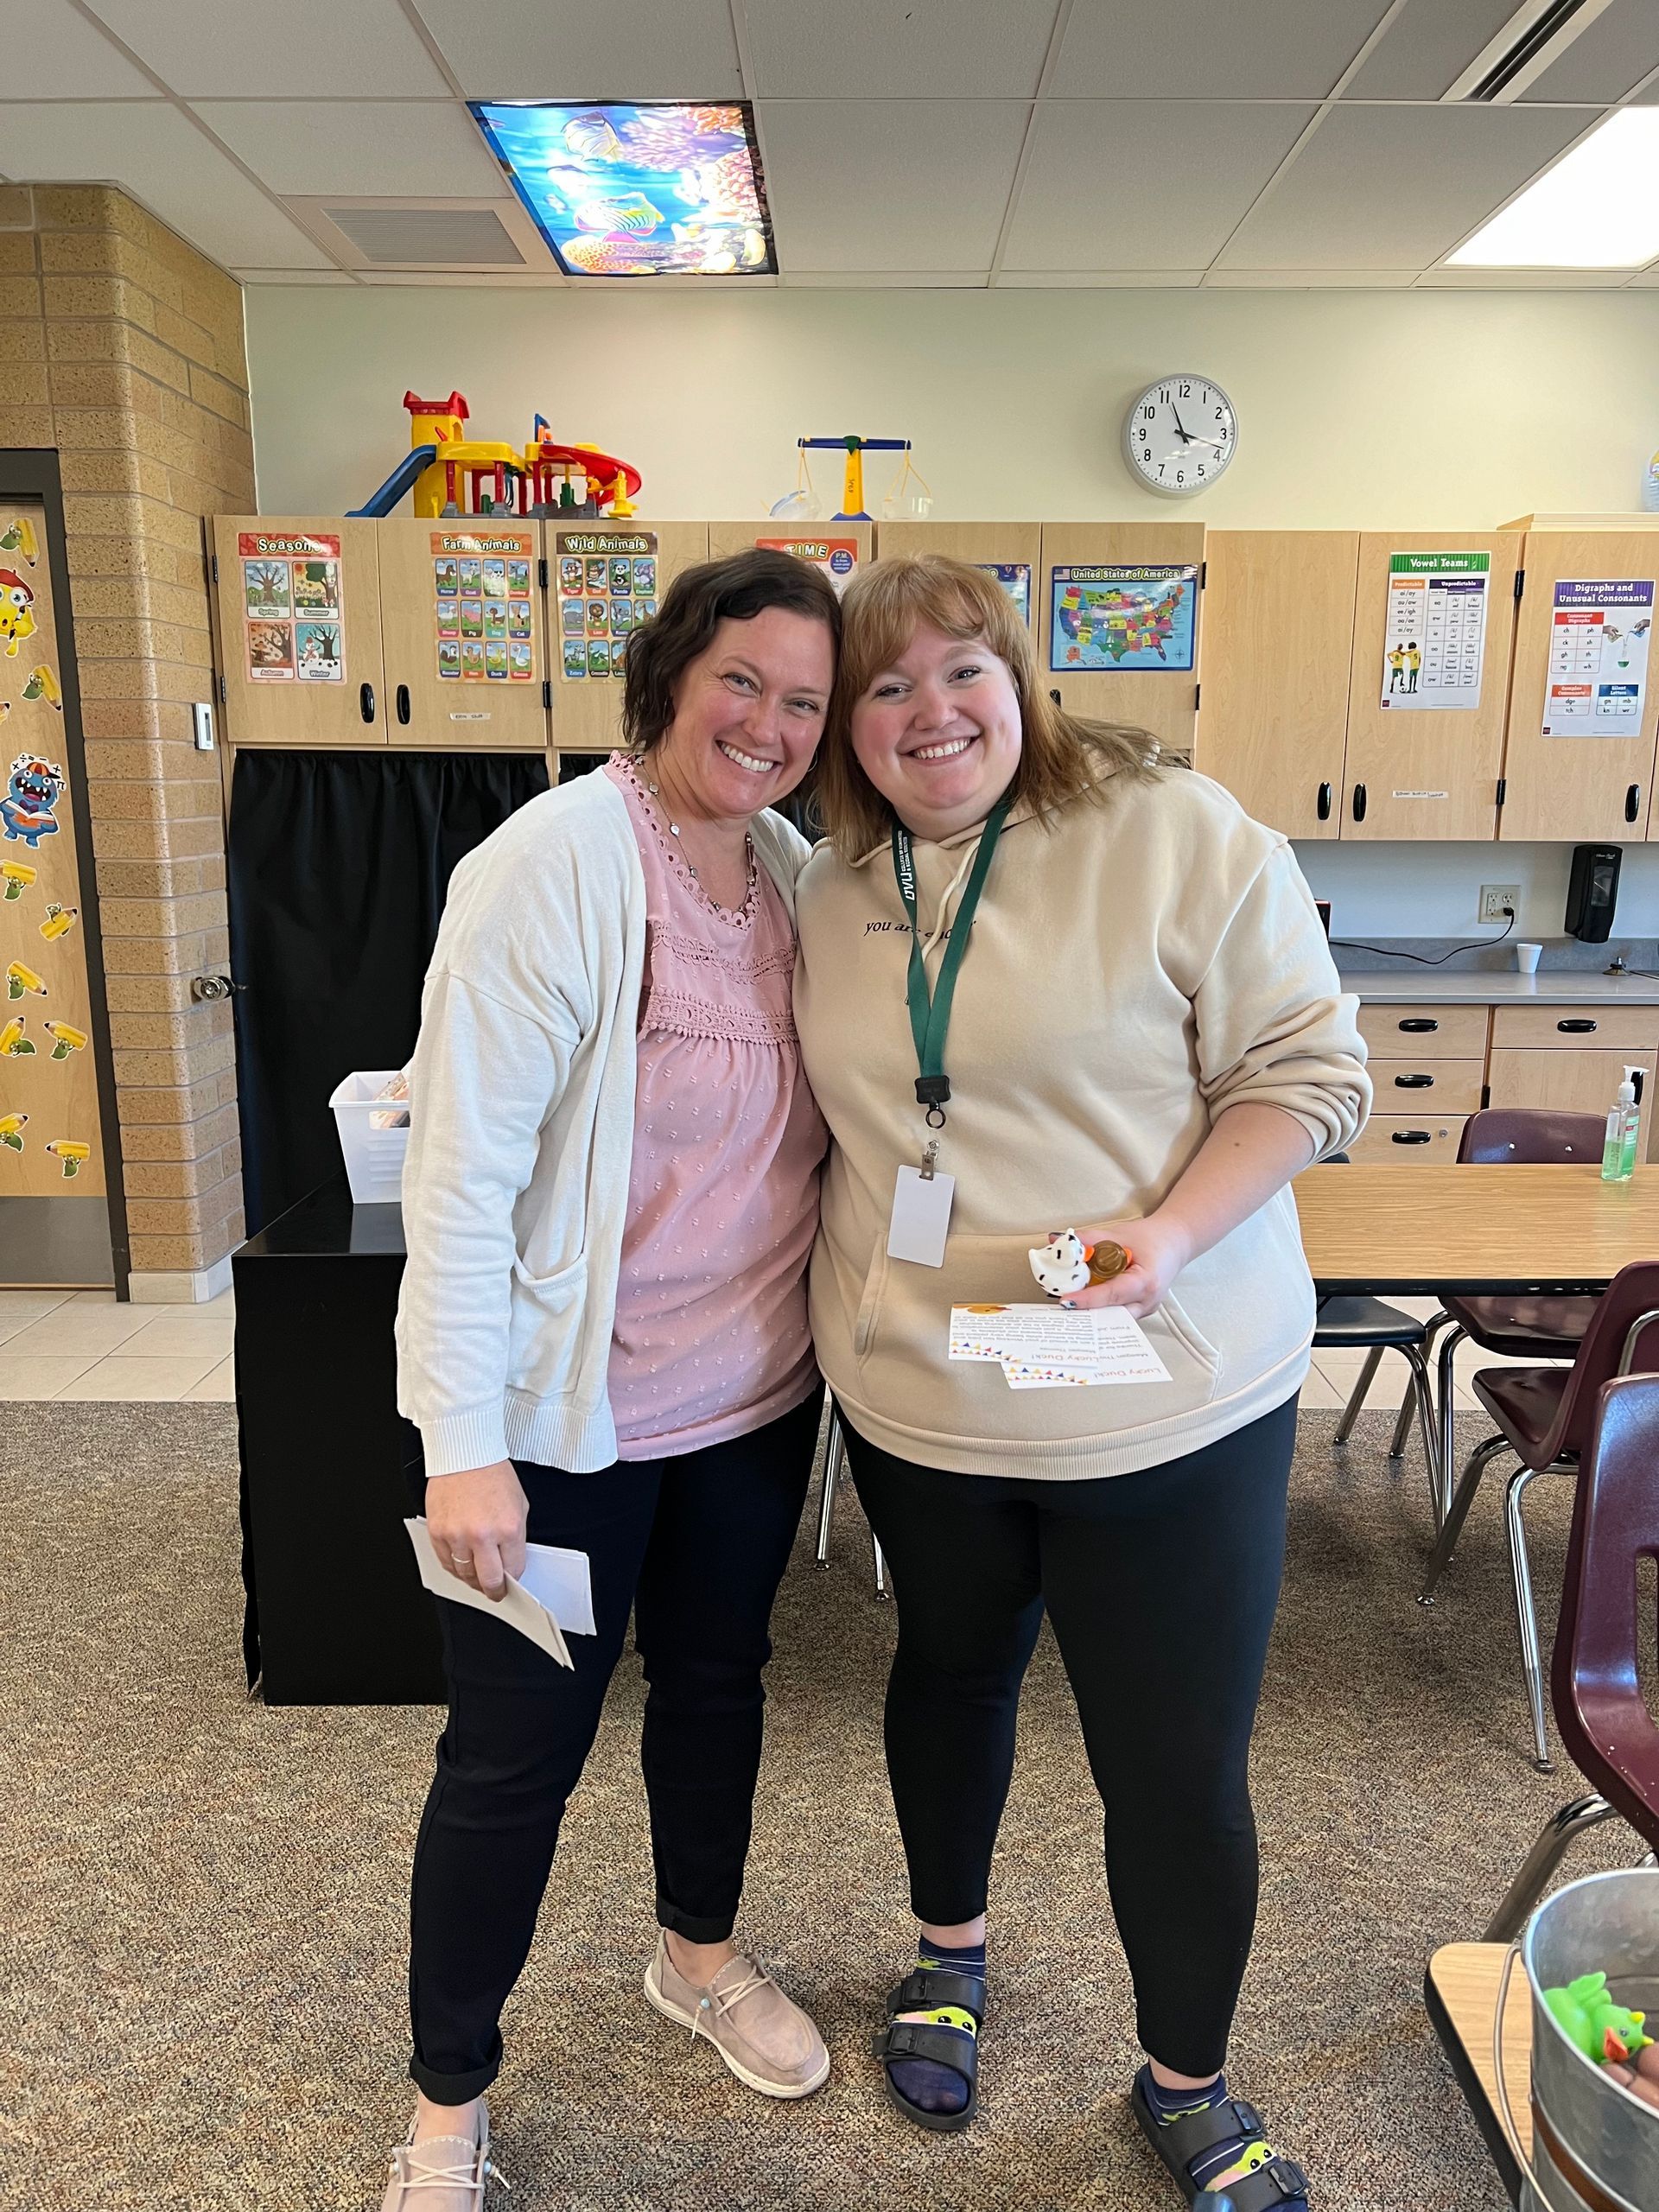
x,y
1179,434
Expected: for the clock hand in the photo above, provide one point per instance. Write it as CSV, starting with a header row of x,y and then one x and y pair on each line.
x,y
1180,427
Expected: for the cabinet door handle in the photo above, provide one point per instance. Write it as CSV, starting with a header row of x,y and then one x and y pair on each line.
x,y
1632,802
1324,808
1417,1023
1359,802
1580,1027
366,701
1414,1083
403,704
1409,1136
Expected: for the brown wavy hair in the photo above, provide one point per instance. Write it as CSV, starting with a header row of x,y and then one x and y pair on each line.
x,y
881,612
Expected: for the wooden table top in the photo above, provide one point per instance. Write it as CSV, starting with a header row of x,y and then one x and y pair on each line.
x,y
1461,1987
1473,1229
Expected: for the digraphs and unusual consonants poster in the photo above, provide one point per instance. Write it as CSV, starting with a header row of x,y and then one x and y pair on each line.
x,y
1599,639
836,556
607,589
1117,615
293,612
484,606
1434,638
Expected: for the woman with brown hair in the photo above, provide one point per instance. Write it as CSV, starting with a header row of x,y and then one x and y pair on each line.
x,y
1087,993
610,1197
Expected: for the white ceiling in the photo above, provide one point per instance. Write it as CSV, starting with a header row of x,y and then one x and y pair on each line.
x,y
1011,144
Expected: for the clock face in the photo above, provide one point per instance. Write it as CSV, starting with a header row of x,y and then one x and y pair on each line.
x,y
1179,434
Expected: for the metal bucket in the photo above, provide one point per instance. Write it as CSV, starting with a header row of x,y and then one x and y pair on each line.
x,y
1595,2146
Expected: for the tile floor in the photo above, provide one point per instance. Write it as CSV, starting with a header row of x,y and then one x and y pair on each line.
x,y
82,1345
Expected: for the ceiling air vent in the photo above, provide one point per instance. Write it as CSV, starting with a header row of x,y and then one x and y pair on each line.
x,y
1533,39
427,238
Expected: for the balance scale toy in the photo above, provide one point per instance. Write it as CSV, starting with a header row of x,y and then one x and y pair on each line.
x,y
443,466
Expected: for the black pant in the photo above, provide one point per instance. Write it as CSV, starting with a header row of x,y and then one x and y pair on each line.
x,y
698,1546
1161,1586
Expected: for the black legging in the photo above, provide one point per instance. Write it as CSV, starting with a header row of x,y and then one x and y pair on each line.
x,y
696,1546
1161,1586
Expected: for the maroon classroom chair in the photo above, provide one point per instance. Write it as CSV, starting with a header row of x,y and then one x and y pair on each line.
x,y
1544,1416
1594,1675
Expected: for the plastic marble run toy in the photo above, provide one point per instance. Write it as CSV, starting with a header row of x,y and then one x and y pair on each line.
x,y
450,474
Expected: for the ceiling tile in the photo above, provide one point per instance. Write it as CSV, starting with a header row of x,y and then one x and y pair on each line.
x,y
1097,280
401,148
525,50
291,277
890,184
1157,184
1220,49
1427,48
1393,188
902,49
53,53
1607,59
227,49
159,155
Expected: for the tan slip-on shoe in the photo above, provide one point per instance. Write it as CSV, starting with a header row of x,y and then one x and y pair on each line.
x,y
765,2039
446,2173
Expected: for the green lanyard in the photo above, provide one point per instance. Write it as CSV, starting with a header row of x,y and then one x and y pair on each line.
x,y
930,1016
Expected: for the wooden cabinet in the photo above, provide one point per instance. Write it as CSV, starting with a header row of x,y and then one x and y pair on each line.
x,y
1012,550
1080,666
1402,1031
838,548
1278,649
1596,785
1427,1067
1573,1059
1408,1140
463,633
1429,772
298,605
584,563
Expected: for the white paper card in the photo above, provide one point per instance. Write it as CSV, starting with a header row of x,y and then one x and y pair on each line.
x,y
561,1581
921,1217
517,1609
1045,1347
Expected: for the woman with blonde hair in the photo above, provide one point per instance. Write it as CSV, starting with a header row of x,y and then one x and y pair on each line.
x,y
1047,984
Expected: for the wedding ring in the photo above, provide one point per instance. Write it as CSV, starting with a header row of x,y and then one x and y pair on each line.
x,y
459,1559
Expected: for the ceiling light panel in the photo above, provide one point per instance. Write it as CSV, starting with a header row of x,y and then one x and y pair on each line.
x,y
1598,208
621,188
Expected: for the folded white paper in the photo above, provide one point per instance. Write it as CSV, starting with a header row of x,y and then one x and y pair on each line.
x,y
1047,1348
518,1608
562,1582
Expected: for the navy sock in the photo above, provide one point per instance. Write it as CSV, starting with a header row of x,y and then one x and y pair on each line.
x,y
923,2082
1170,2104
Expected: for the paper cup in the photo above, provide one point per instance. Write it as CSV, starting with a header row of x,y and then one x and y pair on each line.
x,y
1527,957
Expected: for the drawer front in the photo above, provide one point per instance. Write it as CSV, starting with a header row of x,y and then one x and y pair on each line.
x,y
1393,1033
1582,1029
1408,1140
1427,1086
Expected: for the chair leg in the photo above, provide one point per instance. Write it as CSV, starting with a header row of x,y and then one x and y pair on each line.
x,y
1357,1395
1541,1861
1403,1422
834,1452
1447,1406
1421,1398
880,1569
1526,1613
1451,1527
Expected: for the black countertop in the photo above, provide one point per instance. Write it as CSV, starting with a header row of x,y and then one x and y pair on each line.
x,y
326,1225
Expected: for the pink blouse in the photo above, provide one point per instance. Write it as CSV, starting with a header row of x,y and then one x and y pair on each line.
x,y
711,1337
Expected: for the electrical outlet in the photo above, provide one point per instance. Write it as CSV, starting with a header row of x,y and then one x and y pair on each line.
x,y
1499,901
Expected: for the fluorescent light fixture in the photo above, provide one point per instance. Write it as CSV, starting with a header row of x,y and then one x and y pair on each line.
x,y
1598,208
637,188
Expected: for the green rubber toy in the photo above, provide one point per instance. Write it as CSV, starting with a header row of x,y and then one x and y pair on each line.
x,y
1606,2033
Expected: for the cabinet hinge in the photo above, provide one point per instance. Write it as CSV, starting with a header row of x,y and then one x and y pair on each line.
x,y
221,692
1503,788
1203,574
1485,1096
213,558
1197,688
547,685
541,572
1520,582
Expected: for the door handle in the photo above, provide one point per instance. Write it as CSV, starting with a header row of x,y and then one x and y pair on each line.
x,y
1580,1027
1417,1023
1632,802
366,701
1359,802
403,704
1324,807
1409,1136
1414,1083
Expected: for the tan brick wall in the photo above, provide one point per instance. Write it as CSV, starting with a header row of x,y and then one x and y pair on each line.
x,y
122,347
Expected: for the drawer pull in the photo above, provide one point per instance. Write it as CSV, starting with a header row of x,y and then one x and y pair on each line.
x,y
1578,1028
1409,1136
1414,1083
1417,1024
1632,802
366,701
1323,809
1359,802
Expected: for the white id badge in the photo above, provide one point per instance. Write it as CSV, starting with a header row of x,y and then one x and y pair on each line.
x,y
921,1217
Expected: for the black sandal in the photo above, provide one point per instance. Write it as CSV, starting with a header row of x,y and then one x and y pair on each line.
x,y
1273,2180
931,1989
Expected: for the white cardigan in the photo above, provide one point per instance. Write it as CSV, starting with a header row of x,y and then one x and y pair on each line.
x,y
521,1132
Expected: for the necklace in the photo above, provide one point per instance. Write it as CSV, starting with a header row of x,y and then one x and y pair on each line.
x,y
674,831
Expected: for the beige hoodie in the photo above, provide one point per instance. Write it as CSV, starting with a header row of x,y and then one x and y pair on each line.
x,y
1135,967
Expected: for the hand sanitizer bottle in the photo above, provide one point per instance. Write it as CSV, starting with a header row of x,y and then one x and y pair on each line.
x,y
1623,1120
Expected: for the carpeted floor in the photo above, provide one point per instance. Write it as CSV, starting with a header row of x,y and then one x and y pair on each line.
x,y
203,1901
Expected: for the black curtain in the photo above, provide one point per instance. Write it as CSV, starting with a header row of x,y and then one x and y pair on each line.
x,y
339,863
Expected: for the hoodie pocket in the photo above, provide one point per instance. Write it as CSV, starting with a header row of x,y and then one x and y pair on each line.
x,y
545,1327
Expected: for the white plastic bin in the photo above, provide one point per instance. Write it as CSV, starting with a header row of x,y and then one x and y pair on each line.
x,y
374,1158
